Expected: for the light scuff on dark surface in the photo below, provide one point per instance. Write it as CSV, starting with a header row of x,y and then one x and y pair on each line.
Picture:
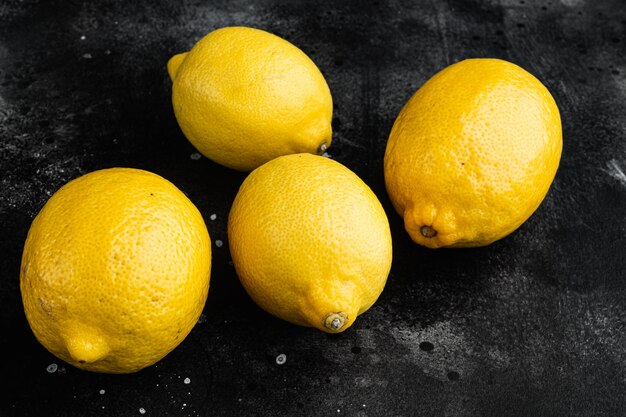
x,y
532,325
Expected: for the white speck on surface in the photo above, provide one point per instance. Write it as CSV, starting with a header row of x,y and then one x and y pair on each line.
x,y
82,38
281,359
326,155
107,52
195,156
187,381
142,410
213,216
240,399
338,410
219,243
102,392
616,171
363,405
87,56
52,368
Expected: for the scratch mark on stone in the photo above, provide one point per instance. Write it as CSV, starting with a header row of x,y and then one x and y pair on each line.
x,y
568,94
573,3
440,20
351,143
616,171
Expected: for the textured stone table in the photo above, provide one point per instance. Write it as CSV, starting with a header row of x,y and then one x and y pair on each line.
x,y
533,325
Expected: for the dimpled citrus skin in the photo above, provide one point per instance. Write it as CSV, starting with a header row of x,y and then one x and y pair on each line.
x,y
472,154
115,270
243,96
310,241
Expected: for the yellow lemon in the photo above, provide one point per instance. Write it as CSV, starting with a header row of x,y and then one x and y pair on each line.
x,y
115,270
310,241
243,96
473,153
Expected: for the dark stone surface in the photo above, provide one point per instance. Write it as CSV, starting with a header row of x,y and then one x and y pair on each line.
x,y
533,325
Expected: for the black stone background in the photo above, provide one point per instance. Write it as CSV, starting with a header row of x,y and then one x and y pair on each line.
x,y
533,325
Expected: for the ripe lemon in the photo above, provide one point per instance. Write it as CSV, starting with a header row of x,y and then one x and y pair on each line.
x,y
243,96
310,241
115,270
473,153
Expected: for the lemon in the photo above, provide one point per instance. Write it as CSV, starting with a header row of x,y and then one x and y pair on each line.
x,y
243,96
473,153
310,241
115,270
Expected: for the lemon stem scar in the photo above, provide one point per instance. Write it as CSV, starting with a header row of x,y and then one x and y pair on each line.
x,y
322,148
428,231
335,321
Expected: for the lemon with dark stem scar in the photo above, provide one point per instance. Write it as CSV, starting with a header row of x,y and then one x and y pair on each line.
x,y
310,241
472,154
244,96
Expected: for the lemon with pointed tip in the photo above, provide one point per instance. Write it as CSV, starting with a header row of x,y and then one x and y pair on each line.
x,y
310,241
243,96
473,153
115,270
